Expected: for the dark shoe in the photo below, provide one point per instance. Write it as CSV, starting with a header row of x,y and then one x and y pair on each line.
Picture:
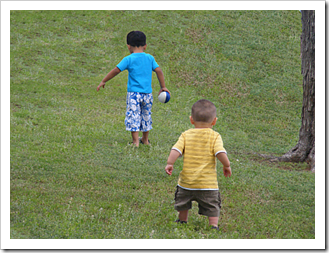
x,y
140,141
214,227
181,221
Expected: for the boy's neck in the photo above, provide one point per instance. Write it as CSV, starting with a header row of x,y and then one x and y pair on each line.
x,y
200,125
134,50
138,50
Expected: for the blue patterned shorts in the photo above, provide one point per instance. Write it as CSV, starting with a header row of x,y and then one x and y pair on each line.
x,y
138,113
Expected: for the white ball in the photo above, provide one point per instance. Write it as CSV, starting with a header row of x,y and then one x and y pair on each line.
x,y
164,97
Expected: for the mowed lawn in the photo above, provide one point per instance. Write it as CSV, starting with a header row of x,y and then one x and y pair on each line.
x,y
73,174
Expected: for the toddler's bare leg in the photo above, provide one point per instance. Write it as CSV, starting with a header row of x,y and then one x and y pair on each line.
x,y
135,138
145,138
183,215
213,221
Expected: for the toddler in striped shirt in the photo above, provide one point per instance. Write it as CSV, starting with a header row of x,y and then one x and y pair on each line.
x,y
200,146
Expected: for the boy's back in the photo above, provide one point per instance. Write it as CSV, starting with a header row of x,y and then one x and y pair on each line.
x,y
198,179
199,147
140,67
139,98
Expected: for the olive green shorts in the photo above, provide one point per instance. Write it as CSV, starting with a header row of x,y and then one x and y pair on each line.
x,y
209,201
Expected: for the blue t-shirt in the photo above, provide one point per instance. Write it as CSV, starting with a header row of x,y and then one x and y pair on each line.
x,y
140,67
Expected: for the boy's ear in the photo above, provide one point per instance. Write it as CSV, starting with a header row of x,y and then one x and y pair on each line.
x,y
144,47
214,121
192,121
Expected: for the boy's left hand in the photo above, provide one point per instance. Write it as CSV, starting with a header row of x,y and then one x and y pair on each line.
x,y
169,168
102,84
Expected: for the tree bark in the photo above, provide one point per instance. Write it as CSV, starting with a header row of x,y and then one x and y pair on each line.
x,y
304,151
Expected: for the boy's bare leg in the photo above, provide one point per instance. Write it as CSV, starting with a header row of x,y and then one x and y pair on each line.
x,y
135,138
145,138
183,215
213,221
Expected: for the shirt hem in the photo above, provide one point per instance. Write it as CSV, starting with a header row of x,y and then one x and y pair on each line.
x,y
222,151
178,151
142,92
194,189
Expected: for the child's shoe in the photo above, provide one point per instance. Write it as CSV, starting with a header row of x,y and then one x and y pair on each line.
x,y
181,221
140,141
214,227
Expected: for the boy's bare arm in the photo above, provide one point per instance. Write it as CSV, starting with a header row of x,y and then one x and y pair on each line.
x,y
222,157
108,77
160,76
174,154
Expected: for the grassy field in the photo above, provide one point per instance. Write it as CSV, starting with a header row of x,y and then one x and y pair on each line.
x,y
73,174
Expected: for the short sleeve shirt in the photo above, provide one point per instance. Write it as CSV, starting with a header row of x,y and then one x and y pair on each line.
x,y
199,148
140,67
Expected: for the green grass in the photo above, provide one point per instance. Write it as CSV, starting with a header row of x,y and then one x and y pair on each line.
x,y
73,174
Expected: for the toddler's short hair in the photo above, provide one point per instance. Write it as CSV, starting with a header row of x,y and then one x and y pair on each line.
x,y
136,39
203,111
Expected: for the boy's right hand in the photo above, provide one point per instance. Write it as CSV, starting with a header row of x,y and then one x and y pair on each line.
x,y
164,89
102,84
169,168
227,171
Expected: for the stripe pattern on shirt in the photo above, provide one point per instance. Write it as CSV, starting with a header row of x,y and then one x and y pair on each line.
x,y
199,148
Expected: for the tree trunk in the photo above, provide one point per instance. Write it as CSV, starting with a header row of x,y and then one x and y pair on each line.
x,y
304,151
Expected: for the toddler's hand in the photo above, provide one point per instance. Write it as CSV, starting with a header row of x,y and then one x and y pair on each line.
x,y
102,84
169,168
227,171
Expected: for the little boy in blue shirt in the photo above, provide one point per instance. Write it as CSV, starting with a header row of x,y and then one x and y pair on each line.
x,y
139,87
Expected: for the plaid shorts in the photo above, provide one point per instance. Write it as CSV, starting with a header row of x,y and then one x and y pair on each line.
x,y
138,112
209,201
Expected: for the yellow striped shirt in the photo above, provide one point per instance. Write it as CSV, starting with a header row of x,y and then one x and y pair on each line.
x,y
199,147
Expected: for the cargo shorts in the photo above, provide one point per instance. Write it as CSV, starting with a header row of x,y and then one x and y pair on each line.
x,y
209,201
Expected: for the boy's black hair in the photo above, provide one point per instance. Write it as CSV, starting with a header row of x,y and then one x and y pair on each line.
x,y
136,39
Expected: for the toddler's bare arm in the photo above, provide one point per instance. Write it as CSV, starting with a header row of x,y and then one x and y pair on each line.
x,y
222,157
174,154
